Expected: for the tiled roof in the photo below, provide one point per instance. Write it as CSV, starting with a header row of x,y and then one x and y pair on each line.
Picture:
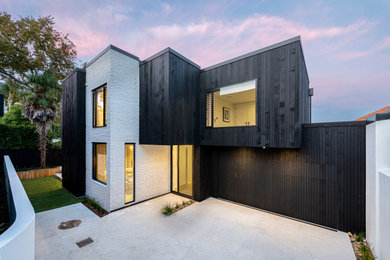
x,y
363,118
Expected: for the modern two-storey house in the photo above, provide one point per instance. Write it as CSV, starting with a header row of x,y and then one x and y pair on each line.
x,y
239,130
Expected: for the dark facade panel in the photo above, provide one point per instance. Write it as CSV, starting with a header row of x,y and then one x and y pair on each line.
x,y
323,182
281,98
183,102
154,97
305,99
73,132
1,105
169,94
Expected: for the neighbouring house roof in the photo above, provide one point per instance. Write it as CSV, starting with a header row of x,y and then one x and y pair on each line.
x,y
380,111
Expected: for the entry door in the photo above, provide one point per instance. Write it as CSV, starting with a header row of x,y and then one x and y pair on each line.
x,y
182,167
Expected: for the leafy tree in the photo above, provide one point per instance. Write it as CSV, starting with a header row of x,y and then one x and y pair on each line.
x,y
41,102
29,46
33,55
11,92
14,116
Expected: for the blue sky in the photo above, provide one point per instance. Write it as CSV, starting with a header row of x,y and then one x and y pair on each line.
x,y
346,43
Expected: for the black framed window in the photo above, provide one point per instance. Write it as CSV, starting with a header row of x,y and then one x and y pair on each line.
x,y
129,172
100,106
99,167
231,106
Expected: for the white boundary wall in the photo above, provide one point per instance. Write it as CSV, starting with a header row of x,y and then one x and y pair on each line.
x,y
378,187
18,241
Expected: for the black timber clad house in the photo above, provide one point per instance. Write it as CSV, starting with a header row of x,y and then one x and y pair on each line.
x,y
282,163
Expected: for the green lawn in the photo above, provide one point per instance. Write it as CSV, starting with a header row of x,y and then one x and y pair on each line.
x,y
47,193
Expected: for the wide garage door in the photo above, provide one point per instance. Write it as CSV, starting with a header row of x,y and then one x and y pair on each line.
x,y
322,183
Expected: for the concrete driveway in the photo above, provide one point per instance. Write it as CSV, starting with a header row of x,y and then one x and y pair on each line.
x,y
212,229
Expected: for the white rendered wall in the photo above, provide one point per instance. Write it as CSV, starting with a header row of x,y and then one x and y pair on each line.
x,y
377,160
152,163
18,241
384,214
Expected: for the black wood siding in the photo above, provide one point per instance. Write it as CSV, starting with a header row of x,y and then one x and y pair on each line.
x,y
282,98
323,183
169,94
73,132
1,105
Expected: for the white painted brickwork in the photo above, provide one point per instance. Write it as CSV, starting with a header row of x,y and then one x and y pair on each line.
x,y
152,163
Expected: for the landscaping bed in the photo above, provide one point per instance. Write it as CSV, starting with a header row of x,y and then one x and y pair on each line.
x,y
47,193
361,248
95,207
38,173
169,209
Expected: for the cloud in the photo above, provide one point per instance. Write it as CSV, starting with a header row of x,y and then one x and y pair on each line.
x,y
385,44
206,39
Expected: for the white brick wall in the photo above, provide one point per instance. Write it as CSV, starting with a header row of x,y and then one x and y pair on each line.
x,y
98,73
152,163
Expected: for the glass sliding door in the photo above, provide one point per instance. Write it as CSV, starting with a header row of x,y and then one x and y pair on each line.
x,y
182,168
129,173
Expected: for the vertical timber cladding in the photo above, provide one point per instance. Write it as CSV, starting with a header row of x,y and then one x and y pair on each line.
x,y
323,182
169,94
73,132
281,100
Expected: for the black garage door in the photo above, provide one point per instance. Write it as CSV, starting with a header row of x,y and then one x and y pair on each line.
x,y
322,183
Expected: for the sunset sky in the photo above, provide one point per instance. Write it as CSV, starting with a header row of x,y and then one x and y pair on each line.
x,y
346,43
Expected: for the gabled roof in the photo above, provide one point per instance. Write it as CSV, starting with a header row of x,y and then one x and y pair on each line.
x,y
158,54
380,111
112,47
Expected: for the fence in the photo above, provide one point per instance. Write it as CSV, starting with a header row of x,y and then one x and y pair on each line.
x,y
30,158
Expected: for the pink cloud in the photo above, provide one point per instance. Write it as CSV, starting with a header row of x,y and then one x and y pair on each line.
x,y
204,41
385,44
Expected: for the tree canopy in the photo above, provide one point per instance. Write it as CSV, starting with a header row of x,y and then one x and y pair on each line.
x,y
29,45
14,116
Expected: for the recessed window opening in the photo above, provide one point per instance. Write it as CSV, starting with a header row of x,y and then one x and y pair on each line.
x,y
100,162
100,106
235,105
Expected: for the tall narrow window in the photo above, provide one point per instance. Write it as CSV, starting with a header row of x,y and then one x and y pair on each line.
x,y
100,162
100,106
129,173
209,109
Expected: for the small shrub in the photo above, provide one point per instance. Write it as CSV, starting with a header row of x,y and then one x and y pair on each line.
x,y
366,252
360,237
93,203
167,210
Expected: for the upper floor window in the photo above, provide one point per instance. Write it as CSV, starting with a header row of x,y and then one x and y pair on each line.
x,y
100,106
233,105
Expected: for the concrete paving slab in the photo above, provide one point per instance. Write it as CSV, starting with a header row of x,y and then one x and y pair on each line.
x,y
212,229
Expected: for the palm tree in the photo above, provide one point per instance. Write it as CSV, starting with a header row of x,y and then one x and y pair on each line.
x,y
41,101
